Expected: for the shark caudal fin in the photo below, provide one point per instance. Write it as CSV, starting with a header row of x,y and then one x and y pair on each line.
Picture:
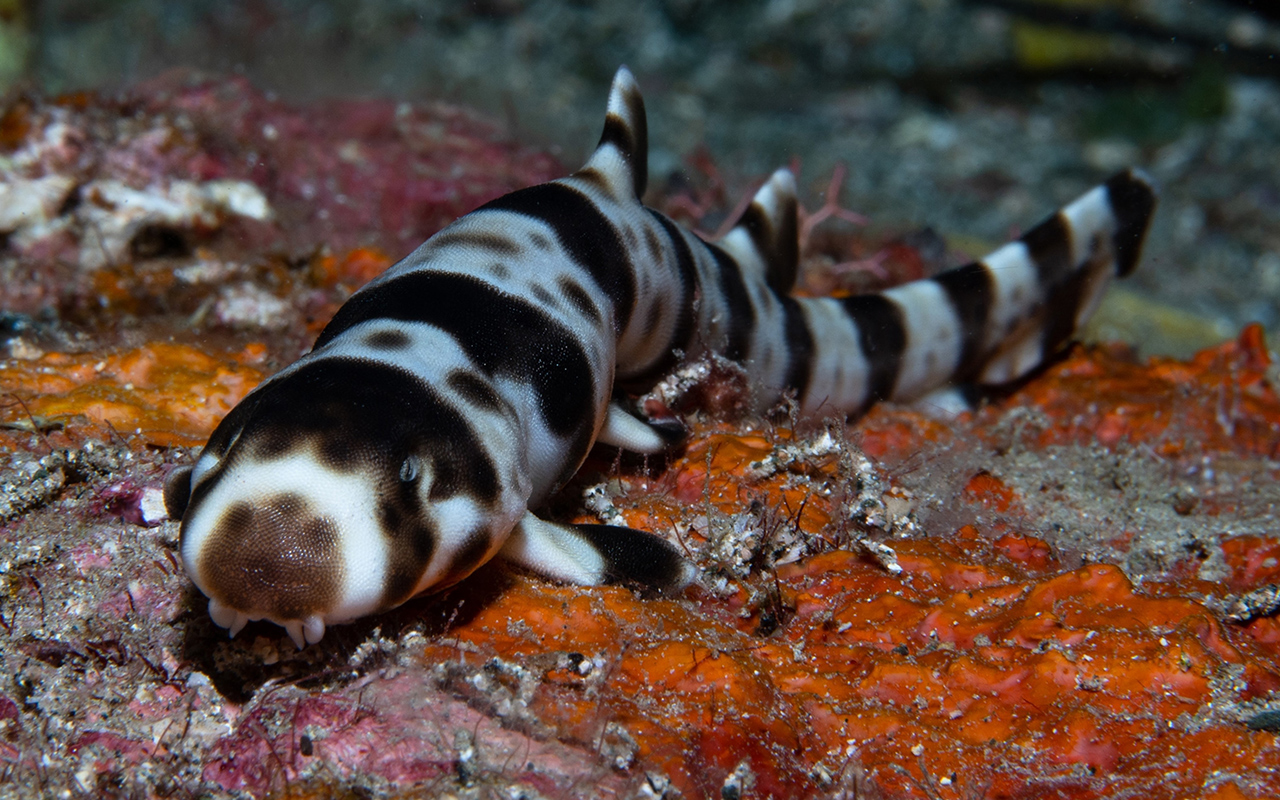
x,y
1038,291
621,159
986,323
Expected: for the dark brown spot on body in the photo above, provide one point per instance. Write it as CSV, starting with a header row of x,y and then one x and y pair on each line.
x,y
766,353
586,235
543,296
388,340
654,245
595,178
579,298
475,390
481,240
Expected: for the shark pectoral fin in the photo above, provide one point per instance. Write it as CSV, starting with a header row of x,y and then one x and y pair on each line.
x,y
596,554
621,429
633,556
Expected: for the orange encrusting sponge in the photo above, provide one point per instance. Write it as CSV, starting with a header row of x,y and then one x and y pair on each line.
x,y
163,394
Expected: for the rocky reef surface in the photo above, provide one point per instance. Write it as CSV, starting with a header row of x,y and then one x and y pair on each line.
x,y
1067,593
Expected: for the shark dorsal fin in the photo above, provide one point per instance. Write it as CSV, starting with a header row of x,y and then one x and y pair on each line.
x,y
769,230
621,159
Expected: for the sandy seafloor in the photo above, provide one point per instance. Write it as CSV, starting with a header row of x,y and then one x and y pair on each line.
x,y
1066,594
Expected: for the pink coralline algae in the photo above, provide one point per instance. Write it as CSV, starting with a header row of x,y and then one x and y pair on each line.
x,y
91,185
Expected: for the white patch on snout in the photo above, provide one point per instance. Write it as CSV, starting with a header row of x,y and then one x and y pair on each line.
x,y
345,498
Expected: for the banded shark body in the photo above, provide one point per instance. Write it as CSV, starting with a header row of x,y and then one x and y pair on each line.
x,y
467,383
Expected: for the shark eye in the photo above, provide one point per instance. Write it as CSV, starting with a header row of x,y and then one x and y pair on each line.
x,y
409,469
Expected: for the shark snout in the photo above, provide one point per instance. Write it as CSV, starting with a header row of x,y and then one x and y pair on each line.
x,y
276,559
